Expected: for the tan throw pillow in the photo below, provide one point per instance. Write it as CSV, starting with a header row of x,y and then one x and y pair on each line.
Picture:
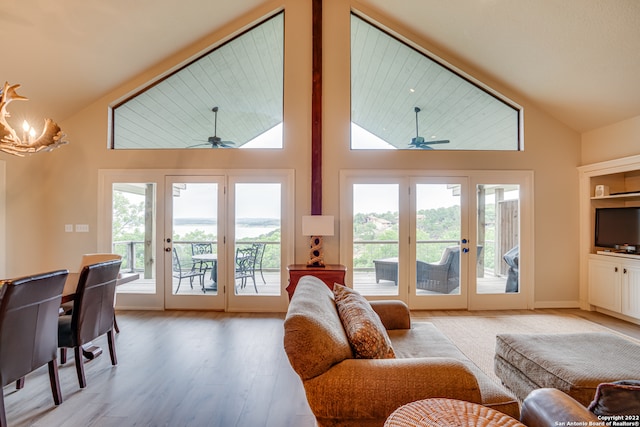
x,y
366,334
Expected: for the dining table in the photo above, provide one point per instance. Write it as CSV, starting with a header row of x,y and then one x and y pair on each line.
x,y
70,285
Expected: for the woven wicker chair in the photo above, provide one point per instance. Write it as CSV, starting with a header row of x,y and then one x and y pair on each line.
x,y
442,276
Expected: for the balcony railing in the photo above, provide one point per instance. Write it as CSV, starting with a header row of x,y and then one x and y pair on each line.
x,y
132,252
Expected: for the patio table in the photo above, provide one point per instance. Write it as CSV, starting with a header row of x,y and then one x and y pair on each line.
x,y
208,259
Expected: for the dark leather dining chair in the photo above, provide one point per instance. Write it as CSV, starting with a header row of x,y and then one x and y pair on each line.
x,y
92,314
28,322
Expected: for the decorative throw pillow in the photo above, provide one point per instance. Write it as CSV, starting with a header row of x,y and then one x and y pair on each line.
x,y
617,398
366,334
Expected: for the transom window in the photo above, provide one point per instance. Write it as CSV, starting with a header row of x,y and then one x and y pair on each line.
x,y
231,97
401,98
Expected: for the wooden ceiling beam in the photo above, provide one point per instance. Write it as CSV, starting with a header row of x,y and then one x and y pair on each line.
x,y
316,110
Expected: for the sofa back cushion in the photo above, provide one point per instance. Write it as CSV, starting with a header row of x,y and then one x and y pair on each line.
x,y
314,338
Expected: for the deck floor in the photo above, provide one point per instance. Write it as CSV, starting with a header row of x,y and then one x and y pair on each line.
x,y
364,282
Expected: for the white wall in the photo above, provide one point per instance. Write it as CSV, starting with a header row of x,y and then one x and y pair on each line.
x,y
618,140
45,192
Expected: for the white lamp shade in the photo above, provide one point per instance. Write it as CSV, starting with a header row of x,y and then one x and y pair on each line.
x,y
317,225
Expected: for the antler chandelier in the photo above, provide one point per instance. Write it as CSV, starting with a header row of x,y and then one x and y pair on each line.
x,y
51,136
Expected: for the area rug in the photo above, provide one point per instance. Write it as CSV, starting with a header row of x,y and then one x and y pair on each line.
x,y
475,335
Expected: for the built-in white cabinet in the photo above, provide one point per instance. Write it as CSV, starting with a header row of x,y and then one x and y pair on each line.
x,y
614,284
605,283
631,290
610,281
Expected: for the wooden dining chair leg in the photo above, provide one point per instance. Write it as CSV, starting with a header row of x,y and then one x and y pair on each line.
x,y
55,382
77,351
20,383
63,355
115,324
112,348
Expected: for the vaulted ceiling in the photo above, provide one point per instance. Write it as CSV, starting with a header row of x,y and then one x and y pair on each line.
x,y
577,59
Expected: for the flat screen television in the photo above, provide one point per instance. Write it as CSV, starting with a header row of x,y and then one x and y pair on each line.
x,y
618,227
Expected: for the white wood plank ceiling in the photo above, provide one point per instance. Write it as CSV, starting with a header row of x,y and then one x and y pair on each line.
x,y
244,79
390,79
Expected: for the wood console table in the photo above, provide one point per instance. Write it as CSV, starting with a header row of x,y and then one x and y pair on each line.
x,y
329,274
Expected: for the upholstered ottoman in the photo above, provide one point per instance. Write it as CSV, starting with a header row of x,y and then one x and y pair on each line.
x,y
573,363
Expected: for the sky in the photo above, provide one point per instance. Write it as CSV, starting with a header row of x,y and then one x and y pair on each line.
x,y
360,139
253,200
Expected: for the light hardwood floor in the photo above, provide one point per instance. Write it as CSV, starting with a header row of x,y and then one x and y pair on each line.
x,y
180,368
175,368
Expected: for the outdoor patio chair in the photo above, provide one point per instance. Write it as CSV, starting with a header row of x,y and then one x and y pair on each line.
x,y
442,276
246,266
199,249
260,247
511,257
186,271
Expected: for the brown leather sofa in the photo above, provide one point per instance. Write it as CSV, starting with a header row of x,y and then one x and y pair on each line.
x,y
614,403
550,407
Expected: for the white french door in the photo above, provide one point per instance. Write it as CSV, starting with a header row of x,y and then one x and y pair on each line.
x,y
439,250
180,233
259,240
443,241
194,230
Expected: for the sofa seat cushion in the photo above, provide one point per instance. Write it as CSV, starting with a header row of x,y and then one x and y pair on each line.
x,y
363,326
425,340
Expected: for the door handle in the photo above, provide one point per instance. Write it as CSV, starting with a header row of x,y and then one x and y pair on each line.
x,y
464,241
465,250
167,249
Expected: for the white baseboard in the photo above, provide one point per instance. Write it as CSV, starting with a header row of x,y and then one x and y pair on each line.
x,y
556,304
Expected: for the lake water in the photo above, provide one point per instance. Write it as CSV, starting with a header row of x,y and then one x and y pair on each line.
x,y
241,232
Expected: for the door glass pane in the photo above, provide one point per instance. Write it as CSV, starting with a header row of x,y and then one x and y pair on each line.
x,y
375,238
133,235
499,235
257,252
438,239
195,238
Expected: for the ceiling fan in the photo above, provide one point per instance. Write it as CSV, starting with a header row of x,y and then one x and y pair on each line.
x,y
419,141
215,141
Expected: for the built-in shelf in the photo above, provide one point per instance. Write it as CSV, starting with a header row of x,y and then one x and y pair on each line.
x,y
619,254
609,280
618,196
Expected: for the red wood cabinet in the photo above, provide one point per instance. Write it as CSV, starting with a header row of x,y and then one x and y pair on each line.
x,y
329,274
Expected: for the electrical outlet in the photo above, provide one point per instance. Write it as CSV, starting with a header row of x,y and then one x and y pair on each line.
x,y
68,228
82,228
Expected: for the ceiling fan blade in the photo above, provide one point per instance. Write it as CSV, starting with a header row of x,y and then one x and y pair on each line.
x,y
197,145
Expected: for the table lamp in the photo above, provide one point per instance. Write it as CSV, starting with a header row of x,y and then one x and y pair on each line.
x,y
316,226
